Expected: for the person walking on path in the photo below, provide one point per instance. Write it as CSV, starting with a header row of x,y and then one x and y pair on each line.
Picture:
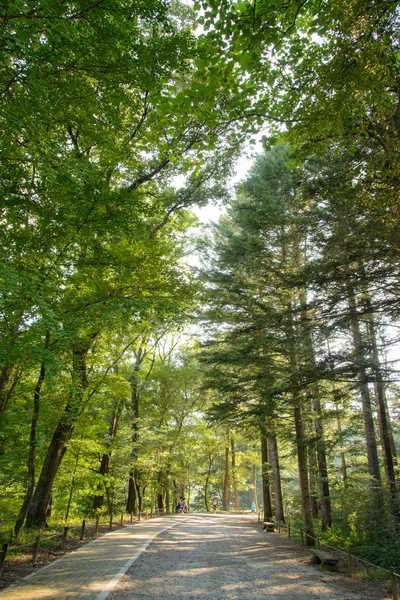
x,y
215,503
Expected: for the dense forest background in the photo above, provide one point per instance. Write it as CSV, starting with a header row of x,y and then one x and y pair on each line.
x,y
268,375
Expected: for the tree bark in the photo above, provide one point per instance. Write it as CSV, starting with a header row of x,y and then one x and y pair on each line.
x,y
234,478
7,380
343,465
7,385
30,482
300,434
98,499
139,496
265,478
208,476
160,495
167,492
303,474
276,473
131,504
320,458
71,489
133,487
312,470
226,477
37,512
359,355
390,458
254,489
324,492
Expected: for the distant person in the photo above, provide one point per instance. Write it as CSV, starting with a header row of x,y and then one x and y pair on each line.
x,y
215,503
181,506
253,507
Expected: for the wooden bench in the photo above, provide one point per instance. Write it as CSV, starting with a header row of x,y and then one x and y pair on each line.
x,y
267,526
326,560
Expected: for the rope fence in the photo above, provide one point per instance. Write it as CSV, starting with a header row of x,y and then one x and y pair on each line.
x,y
41,540
350,558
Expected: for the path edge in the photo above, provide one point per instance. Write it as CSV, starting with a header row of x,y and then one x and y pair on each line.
x,y
115,580
82,548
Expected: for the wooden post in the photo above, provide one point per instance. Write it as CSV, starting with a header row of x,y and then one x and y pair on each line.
x,y
139,515
259,517
131,518
82,530
110,523
302,536
64,538
350,563
3,553
122,519
35,550
288,530
96,527
394,584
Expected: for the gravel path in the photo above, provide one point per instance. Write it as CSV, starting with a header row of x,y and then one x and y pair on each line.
x,y
230,558
90,572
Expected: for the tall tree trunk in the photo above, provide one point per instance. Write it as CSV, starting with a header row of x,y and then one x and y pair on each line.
x,y
139,493
234,477
276,474
38,509
131,503
30,482
254,488
176,493
8,380
110,505
5,375
71,489
343,466
303,473
133,487
324,492
321,461
300,434
265,477
168,498
206,483
160,495
312,470
359,355
9,374
384,422
226,498
98,499
37,512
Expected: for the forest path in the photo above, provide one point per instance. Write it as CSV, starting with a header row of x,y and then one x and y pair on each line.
x,y
192,557
228,557
92,571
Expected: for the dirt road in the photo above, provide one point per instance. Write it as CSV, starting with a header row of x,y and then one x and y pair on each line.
x,y
230,558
